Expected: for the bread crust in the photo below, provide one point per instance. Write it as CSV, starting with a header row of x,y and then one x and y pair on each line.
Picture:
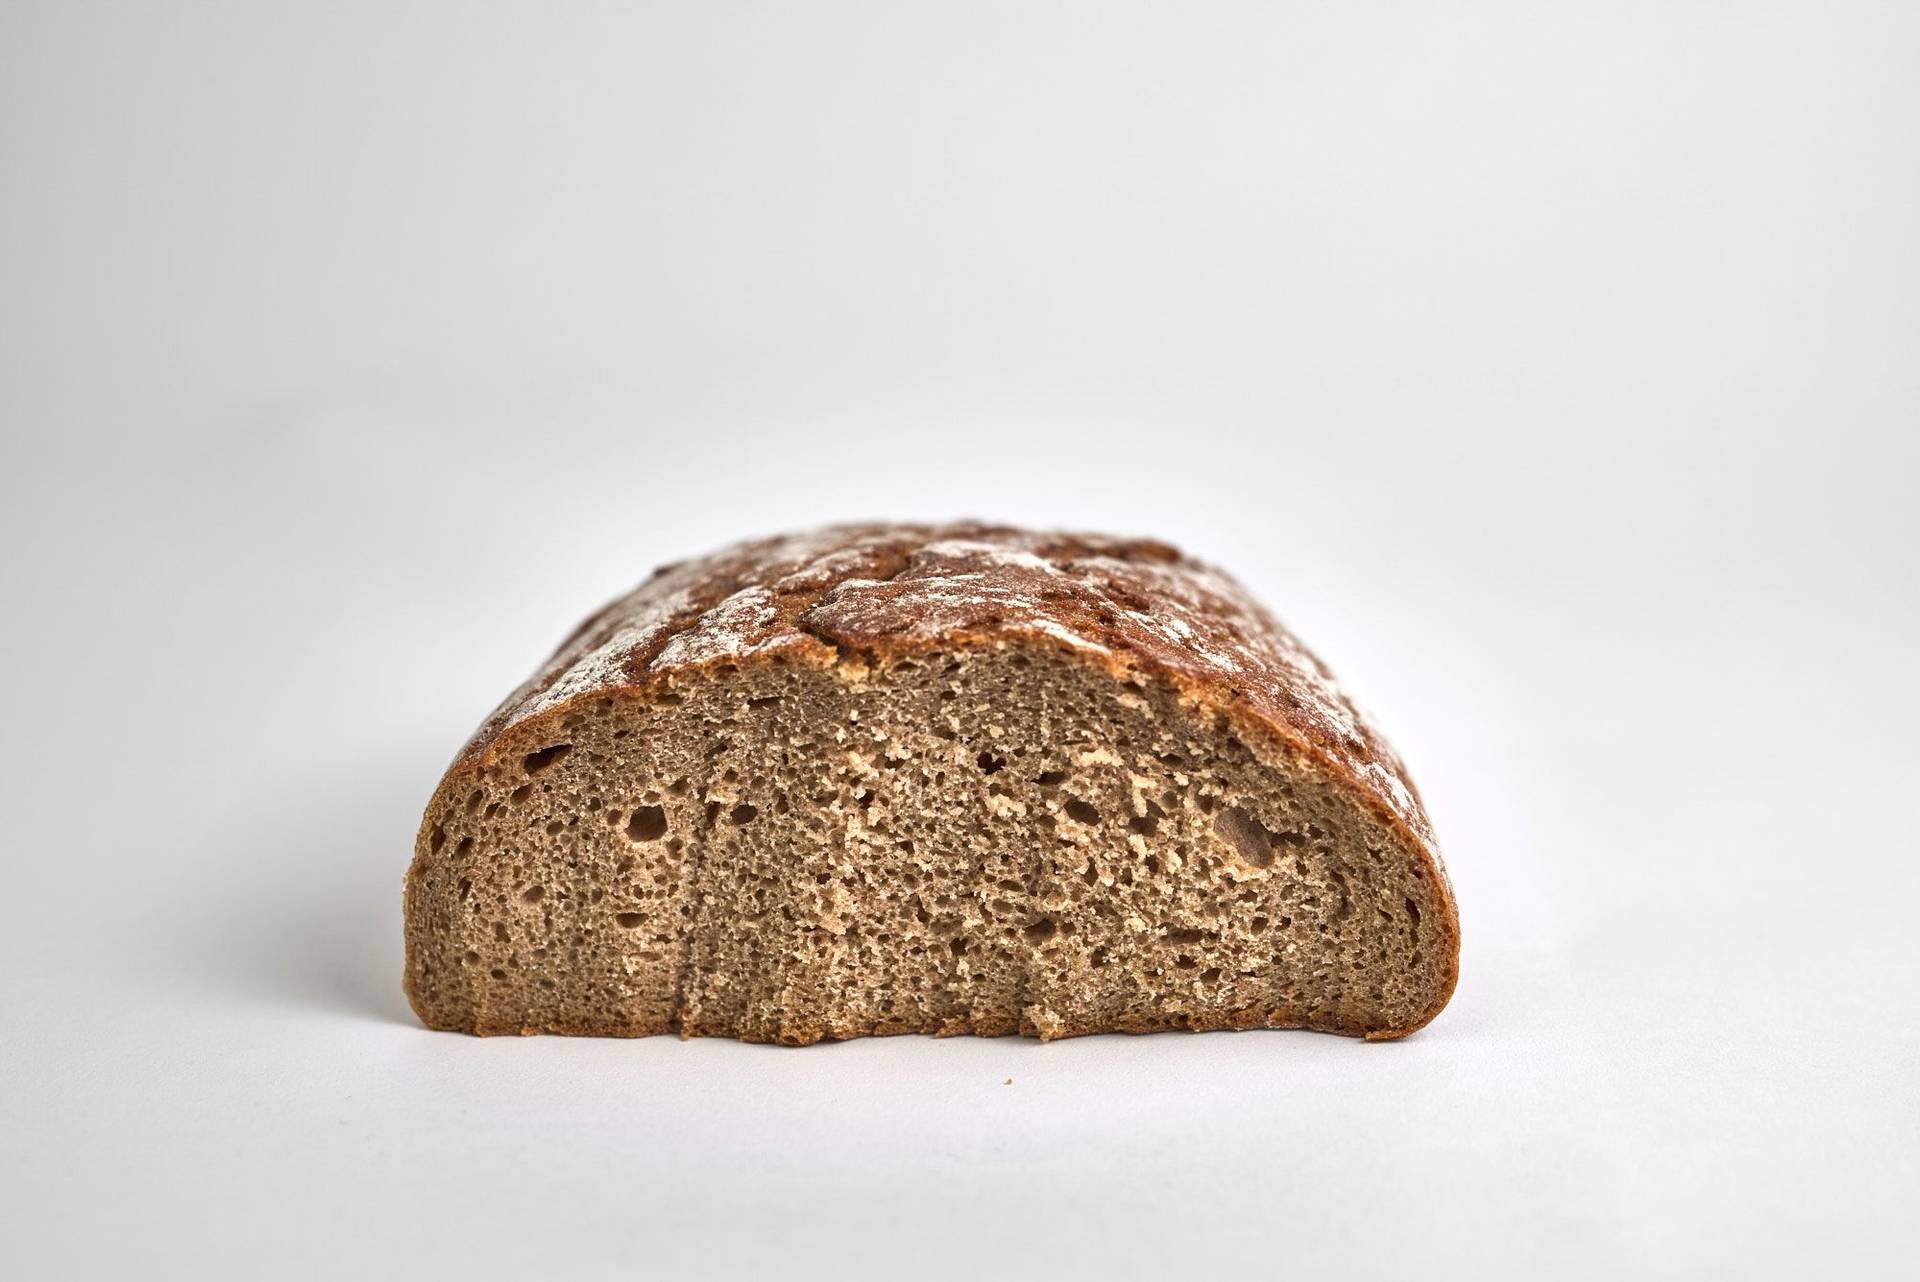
x,y
881,591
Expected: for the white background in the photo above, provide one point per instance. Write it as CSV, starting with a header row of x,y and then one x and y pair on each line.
x,y
1553,369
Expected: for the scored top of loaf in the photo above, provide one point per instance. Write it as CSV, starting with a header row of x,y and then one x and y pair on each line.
x,y
885,587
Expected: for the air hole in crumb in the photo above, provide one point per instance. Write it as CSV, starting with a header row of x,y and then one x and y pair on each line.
x,y
958,946
534,894
628,921
520,794
1185,936
497,973
649,823
990,764
1041,931
742,813
1051,778
1081,812
464,849
1099,957
438,839
535,762
1249,839
473,801
1413,911
1145,824
470,957
1210,975
763,701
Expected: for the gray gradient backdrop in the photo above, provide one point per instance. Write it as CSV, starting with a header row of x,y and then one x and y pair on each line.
x,y
1553,369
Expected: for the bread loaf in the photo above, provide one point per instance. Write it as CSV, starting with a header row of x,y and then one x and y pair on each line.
x,y
929,779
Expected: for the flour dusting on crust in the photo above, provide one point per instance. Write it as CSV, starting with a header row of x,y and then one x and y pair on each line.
x,y
870,587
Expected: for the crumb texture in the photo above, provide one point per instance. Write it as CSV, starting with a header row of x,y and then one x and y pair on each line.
x,y
960,779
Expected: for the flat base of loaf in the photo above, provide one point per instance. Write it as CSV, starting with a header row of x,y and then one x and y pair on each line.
x,y
1041,1025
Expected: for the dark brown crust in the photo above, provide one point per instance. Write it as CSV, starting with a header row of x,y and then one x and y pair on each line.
x,y
883,590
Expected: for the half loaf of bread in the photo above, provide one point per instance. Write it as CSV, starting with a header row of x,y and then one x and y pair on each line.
x,y
911,779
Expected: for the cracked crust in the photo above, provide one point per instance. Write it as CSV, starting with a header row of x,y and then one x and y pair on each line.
x,y
876,587
875,591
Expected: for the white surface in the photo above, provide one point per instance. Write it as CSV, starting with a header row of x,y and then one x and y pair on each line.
x,y
1550,368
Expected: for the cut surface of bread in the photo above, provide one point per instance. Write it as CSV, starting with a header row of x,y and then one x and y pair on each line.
x,y
959,779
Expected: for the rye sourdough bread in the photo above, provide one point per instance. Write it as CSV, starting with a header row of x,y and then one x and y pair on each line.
x,y
929,779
